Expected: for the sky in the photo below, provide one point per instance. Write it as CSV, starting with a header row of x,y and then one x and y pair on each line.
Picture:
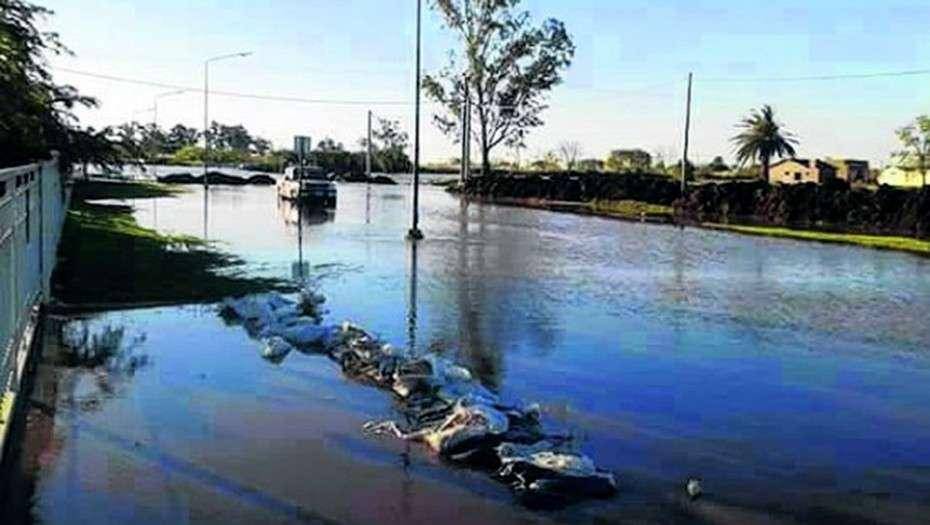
x,y
625,89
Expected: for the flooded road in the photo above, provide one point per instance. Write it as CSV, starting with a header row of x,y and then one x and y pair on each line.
x,y
791,377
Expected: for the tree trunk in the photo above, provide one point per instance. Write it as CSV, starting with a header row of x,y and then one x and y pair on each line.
x,y
765,169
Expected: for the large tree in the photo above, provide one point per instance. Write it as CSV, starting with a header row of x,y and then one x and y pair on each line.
x,y
181,136
504,63
916,140
762,138
36,114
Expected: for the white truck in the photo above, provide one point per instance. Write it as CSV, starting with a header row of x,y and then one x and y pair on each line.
x,y
308,184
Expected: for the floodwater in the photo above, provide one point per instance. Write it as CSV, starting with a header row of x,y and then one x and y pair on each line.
x,y
791,377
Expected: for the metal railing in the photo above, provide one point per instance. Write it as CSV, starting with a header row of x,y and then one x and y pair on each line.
x,y
33,203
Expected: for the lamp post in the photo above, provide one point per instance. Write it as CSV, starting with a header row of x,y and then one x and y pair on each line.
x,y
206,106
155,103
415,234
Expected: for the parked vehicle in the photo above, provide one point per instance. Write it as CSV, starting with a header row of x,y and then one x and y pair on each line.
x,y
308,184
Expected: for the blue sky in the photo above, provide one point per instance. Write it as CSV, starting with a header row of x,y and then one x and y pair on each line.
x,y
625,89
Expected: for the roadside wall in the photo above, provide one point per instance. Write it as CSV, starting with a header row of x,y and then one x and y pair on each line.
x,y
33,203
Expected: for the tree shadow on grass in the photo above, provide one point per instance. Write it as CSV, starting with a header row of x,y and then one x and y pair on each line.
x,y
106,258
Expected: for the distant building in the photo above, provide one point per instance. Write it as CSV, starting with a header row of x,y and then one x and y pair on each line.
x,y
851,170
905,176
628,159
800,171
590,165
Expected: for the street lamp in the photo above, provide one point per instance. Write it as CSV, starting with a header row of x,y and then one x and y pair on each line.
x,y
415,234
155,103
206,118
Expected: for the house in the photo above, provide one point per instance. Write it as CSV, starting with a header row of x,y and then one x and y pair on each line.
x,y
628,159
851,170
905,176
800,171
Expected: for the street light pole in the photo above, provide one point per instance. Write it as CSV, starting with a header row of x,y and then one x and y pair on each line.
x,y
155,103
684,156
415,234
206,106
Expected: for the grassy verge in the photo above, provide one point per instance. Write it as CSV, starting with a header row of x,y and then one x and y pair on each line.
x,y
882,242
95,190
631,209
106,258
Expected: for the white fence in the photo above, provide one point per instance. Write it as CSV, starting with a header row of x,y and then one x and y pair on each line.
x,y
33,202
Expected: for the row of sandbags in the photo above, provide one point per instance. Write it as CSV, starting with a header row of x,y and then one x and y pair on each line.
x,y
441,404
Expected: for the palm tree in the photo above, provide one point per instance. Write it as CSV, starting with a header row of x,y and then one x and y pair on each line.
x,y
762,138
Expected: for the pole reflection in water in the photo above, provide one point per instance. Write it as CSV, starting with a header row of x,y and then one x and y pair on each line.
x,y
302,215
368,203
206,207
301,274
412,300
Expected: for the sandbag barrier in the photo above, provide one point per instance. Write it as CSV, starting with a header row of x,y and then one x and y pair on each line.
x,y
442,405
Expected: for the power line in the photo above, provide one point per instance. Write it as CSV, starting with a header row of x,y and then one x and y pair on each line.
x,y
189,89
906,73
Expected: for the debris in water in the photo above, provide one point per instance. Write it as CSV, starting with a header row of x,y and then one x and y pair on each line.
x,y
443,406
276,349
693,488
547,470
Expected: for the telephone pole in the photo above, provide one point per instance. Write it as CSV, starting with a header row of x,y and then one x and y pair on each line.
x,y
684,157
465,111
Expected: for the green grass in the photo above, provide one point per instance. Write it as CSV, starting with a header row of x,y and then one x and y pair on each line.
x,y
882,242
96,190
631,209
106,258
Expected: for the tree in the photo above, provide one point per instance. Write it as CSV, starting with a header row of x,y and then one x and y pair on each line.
x,y
548,162
101,148
718,165
569,151
329,144
628,159
916,140
36,114
763,138
389,145
506,66
181,136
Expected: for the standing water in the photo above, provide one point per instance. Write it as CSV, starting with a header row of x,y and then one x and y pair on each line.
x,y
790,377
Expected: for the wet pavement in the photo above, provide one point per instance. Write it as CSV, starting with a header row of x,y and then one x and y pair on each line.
x,y
791,377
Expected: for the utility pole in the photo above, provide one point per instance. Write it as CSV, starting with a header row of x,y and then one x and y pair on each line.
x,y
464,137
206,134
684,158
368,154
415,234
467,124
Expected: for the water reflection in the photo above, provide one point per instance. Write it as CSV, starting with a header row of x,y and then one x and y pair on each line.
x,y
206,213
412,298
300,215
107,354
668,348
